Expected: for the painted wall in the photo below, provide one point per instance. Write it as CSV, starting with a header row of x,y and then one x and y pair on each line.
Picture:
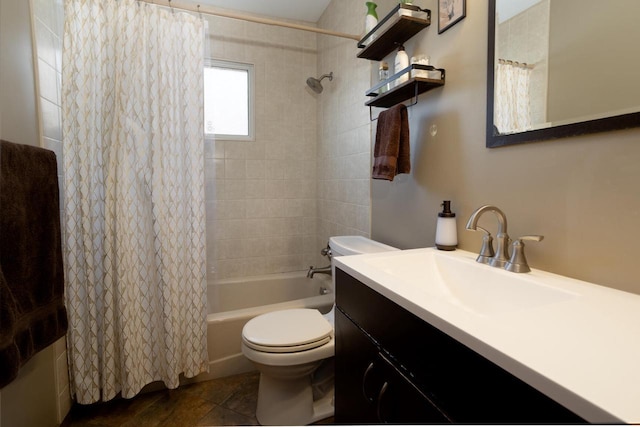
x,y
30,114
581,193
18,120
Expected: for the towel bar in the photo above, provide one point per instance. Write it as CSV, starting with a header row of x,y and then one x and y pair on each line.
x,y
414,102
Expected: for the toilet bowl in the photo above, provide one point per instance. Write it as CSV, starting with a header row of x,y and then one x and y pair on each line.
x,y
293,350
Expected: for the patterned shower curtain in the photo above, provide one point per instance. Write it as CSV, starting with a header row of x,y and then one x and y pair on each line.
x,y
134,196
512,109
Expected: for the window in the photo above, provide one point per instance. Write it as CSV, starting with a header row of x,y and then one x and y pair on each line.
x,y
228,100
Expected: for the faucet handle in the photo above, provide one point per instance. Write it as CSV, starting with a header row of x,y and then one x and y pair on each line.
x,y
486,251
326,251
518,262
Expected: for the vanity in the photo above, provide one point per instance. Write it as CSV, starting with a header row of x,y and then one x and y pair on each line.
x,y
425,336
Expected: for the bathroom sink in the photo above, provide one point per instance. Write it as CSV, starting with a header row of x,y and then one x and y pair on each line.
x,y
458,279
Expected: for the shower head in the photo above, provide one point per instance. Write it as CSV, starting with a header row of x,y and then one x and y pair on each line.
x,y
315,84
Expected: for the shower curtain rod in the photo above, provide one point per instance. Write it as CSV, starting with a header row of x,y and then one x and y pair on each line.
x,y
516,63
227,14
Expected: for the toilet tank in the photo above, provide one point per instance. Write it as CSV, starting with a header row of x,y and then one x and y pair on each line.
x,y
355,245
352,245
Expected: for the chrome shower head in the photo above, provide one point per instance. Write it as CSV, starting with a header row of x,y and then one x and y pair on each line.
x,y
315,84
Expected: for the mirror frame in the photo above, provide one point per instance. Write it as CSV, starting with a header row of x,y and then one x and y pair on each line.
x,y
623,121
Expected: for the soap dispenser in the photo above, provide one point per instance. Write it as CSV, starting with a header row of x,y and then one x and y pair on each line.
x,y
401,62
446,232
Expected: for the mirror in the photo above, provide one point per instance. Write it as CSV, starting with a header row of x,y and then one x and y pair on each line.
x,y
559,68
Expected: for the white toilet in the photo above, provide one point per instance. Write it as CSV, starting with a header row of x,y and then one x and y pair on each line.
x,y
289,347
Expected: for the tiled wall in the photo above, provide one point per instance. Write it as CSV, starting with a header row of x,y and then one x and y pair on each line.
x,y
47,18
344,140
261,195
274,202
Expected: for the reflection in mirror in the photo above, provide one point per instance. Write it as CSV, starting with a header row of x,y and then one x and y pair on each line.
x,y
561,67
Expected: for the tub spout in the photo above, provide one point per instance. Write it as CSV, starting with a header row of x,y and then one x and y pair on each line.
x,y
320,270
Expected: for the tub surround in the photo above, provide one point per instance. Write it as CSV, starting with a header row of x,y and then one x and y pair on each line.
x,y
578,345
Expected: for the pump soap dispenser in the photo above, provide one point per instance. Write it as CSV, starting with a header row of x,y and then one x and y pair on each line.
x,y
446,233
401,62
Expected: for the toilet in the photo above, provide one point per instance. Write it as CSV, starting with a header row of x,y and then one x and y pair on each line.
x,y
293,350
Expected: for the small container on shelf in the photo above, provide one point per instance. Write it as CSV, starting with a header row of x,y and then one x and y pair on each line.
x,y
383,74
402,11
436,74
421,60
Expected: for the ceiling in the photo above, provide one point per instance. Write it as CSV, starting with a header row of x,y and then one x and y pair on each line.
x,y
300,10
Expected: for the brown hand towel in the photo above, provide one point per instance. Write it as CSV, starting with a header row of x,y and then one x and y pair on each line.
x,y
391,152
32,312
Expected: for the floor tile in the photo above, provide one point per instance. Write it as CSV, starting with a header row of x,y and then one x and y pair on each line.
x,y
227,401
174,409
220,416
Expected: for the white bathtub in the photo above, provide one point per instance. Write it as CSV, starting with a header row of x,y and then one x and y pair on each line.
x,y
233,302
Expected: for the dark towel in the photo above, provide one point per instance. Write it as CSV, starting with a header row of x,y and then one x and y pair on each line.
x,y
32,312
391,152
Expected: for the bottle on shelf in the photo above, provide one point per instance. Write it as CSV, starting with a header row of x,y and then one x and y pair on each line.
x,y
383,74
401,62
370,20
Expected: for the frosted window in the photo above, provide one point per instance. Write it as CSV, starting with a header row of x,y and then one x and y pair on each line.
x,y
228,109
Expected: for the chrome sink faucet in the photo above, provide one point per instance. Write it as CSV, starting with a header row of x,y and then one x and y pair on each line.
x,y
501,256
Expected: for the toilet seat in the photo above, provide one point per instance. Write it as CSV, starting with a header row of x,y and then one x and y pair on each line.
x,y
287,349
287,331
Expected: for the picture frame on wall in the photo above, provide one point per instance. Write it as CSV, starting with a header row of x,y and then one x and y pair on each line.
x,y
450,12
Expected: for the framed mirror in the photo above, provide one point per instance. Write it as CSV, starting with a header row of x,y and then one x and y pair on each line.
x,y
559,68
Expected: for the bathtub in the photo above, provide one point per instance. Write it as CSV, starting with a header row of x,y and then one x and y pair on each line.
x,y
233,302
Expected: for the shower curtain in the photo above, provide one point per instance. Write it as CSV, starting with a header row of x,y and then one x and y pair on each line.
x,y
512,104
134,196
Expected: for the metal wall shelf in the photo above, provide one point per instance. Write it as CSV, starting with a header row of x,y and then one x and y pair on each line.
x,y
414,86
395,29
403,22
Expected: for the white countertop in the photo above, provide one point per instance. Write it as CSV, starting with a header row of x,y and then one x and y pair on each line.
x,y
583,351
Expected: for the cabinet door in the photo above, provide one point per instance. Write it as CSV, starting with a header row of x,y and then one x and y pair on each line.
x,y
354,356
400,401
370,389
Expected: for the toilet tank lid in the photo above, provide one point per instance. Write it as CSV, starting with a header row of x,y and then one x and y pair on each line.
x,y
354,245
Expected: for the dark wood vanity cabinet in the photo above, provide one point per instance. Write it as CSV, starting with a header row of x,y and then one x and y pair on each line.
x,y
393,367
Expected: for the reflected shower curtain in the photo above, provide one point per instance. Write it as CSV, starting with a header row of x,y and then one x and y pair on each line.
x,y
512,109
134,196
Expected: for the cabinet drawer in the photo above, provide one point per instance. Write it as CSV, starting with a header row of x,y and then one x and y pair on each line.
x,y
466,386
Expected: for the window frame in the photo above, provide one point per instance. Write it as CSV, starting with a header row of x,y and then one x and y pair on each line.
x,y
249,68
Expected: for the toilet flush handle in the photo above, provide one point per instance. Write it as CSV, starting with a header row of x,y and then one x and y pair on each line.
x,y
327,252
